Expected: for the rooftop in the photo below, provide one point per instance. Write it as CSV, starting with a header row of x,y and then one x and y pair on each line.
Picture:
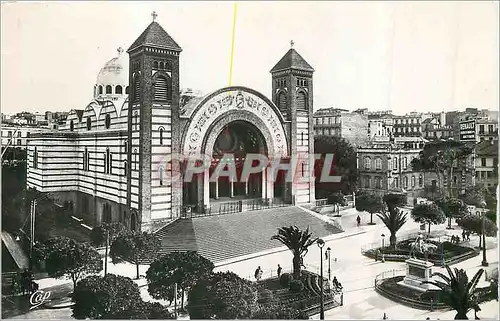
x,y
292,60
155,36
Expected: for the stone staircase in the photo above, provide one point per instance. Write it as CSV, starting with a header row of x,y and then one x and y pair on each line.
x,y
224,237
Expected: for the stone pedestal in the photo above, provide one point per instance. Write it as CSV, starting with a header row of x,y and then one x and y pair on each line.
x,y
418,271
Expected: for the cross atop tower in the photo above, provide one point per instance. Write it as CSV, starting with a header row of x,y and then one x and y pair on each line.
x,y
120,50
154,15
292,43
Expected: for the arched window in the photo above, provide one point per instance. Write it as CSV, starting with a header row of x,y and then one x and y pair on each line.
x,y
406,182
301,101
396,182
35,158
420,181
367,182
155,65
161,135
125,145
378,182
124,168
110,163
136,119
135,159
85,161
137,88
107,121
107,161
413,181
162,65
367,162
282,101
126,90
162,88
109,89
71,125
395,163
100,89
405,163
118,90
89,123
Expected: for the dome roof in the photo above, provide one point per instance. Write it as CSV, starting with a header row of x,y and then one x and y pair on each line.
x,y
115,71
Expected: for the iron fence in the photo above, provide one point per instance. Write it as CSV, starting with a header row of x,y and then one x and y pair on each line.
x,y
387,275
233,207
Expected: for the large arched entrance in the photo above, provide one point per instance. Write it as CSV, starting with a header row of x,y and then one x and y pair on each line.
x,y
233,121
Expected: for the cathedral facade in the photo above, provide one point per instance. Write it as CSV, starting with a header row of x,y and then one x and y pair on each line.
x,y
115,160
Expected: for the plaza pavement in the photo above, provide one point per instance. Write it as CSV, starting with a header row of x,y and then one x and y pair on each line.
x,y
355,271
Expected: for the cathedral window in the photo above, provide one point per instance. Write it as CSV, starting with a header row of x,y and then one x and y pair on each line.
x,y
105,170
301,101
125,146
89,123
420,181
137,88
155,65
118,90
135,159
107,121
282,101
110,163
162,65
109,89
126,90
35,158
162,88
71,125
367,162
124,168
161,135
100,90
136,120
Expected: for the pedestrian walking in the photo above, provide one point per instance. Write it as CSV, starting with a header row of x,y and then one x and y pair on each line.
x,y
358,219
463,235
258,273
279,270
384,317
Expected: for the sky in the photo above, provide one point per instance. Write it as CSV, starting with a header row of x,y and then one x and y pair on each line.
x,y
399,56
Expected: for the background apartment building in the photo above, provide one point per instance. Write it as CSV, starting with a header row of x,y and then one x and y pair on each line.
x,y
352,126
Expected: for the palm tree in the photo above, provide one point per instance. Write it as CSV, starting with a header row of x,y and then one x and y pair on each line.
x,y
456,291
394,220
297,241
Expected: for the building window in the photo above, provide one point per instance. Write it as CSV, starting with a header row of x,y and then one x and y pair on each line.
x,y
481,129
395,163
406,182
135,159
107,121
71,125
89,123
396,182
367,182
420,181
35,158
162,87
378,182
124,168
100,90
490,129
109,89
367,162
483,161
413,181
378,163
125,146
118,90
126,90
405,163
161,135
19,142
105,159
85,160
137,88
110,163
301,101
136,119
161,176
155,65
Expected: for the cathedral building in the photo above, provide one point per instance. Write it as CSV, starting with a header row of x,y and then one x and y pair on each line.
x,y
112,160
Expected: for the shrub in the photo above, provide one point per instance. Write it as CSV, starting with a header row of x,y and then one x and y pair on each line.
x,y
285,279
265,296
296,286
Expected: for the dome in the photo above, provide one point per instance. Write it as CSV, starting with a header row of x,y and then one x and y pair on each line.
x,y
113,77
115,71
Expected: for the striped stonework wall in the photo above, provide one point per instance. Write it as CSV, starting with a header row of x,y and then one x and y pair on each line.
x,y
135,156
302,181
161,148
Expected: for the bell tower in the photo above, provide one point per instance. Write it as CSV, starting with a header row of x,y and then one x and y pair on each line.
x,y
292,86
153,126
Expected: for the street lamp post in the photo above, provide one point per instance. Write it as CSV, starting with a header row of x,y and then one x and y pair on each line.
x,y
484,262
328,250
382,251
321,243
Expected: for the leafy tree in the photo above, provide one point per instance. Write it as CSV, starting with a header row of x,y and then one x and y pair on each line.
x,y
394,200
298,242
183,268
428,213
442,157
344,165
149,310
474,198
108,297
134,247
67,257
456,291
105,234
278,311
474,223
369,202
452,208
222,296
